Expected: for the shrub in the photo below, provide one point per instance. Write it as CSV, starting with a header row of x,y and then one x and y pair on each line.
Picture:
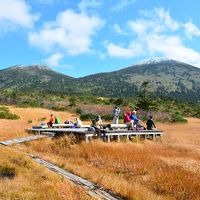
x,y
24,103
42,119
30,121
197,114
87,116
72,101
119,101
176,117
7,171
4,109
79,111
58,108
107,117
7,115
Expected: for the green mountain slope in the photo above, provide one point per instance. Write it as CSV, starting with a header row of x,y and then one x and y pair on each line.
x,y
166,78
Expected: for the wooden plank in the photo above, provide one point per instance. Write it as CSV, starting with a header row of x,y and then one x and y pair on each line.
x,y
85,126
40,126
68,126
131,133
118,126
51,134
67,130
62,125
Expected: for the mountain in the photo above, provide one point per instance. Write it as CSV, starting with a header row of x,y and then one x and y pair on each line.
x,y
35,78
167,78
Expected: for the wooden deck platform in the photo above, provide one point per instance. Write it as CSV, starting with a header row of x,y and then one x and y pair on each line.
x,y
105,134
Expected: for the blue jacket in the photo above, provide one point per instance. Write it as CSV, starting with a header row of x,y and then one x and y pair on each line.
x,y
134,118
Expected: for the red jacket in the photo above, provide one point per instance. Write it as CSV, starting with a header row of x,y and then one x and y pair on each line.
x,y
51,120
126,118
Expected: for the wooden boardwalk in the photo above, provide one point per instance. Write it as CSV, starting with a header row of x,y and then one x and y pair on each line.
x,y
92,189
22,140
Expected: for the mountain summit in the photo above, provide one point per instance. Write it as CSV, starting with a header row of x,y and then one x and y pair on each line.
x,y
34,78
167,78
30,67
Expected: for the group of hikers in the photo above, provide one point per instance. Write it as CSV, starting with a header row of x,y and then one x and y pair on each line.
x,y
131,119
56,120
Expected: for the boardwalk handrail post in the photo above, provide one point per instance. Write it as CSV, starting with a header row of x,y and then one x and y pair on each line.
x,y
118,138
86,138
127,137
108,138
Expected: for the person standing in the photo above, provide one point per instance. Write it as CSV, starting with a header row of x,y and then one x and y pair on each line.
x,y
150,124
116,112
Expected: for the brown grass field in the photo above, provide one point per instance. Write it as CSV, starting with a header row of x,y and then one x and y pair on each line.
x,y
21,178
167,169
15,128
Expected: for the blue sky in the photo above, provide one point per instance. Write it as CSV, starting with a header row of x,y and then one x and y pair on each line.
x,y
82,37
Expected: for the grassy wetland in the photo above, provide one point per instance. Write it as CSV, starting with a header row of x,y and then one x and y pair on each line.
x,y
167,169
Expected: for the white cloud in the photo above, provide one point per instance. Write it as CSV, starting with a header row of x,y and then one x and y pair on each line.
x,y
156,21
122,4
157,33
139,27
118,51
54,59
16,13
191,29
84,5
165,17
71,32
172,47
118,29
